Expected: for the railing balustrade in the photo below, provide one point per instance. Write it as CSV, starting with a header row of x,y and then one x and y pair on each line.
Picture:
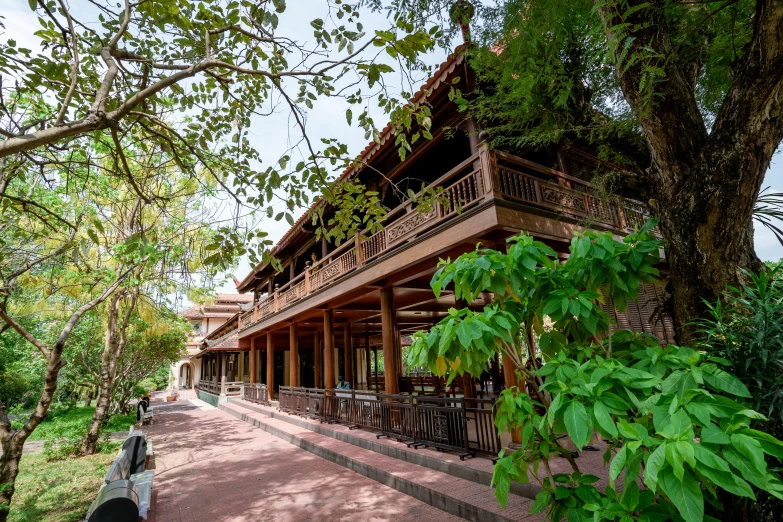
x,y
215,388
462,187
466,426
256,393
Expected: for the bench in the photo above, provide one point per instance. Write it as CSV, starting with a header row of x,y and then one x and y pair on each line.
x,y
145,413
127,491
150,452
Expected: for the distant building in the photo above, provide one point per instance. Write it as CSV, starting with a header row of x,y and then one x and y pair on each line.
x,y
206,319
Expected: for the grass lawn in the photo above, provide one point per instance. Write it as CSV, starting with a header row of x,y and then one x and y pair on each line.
x,y
59,491
74,422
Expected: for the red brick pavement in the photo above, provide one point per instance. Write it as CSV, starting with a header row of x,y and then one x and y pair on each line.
x,y
211,467
518,508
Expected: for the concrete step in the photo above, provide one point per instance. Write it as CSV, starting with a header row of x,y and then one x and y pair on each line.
x,y
463,497
478,470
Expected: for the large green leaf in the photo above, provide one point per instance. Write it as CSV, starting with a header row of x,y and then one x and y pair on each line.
x,y
726,382
618,463
577,423
728,481
747,468
654,464
604,419
685,494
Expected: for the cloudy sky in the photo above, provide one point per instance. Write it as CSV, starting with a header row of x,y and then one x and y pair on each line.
x,y
327,119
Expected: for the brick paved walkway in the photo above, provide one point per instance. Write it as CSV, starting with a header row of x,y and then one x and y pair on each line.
x,y
211,467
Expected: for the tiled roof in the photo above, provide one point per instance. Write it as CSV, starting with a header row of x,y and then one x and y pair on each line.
x,y
369,151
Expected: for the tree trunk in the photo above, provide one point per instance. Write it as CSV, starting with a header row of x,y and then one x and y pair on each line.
x,y
106,381
88,399
709,235
116,337
703,181
9,469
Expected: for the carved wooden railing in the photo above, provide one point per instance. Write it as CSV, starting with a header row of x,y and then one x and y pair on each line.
x,y
215,388
523,180
256,393
484,174
463,187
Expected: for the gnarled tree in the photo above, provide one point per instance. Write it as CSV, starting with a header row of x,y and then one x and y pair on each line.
x,y
687,96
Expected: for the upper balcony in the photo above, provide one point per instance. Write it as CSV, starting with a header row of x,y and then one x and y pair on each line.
x,y
483,176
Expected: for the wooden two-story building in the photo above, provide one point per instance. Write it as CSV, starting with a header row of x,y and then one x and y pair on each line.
x,y
333,308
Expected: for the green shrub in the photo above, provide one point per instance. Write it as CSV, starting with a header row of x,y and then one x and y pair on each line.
x,y
144,387
680,425
747,329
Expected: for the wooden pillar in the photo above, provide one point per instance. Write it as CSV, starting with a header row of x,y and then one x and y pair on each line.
x,y
318,359
328,349
324,248
510,375
367,361
348,348
270,365
469,389
496,373
223,368
375,353
253,360
391,371
293,347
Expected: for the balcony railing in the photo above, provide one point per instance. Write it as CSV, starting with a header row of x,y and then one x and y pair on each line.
x,y
484,174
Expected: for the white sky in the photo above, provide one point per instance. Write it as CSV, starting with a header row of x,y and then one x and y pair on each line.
x,y
327,119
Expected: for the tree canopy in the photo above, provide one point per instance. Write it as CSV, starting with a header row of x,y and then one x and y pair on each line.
x,y
682,97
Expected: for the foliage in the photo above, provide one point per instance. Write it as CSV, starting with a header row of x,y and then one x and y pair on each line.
x,y
188,78
672,96
747,329
678,422
71,423
59,491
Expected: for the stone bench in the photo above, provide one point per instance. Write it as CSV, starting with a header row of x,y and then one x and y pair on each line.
x,y
126,494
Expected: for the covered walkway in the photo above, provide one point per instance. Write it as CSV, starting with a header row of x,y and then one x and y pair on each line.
x,y
211,467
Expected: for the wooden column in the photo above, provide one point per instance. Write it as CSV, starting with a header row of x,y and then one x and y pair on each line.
x,y
375,354
348,348
509,374
253,360
390,369
270,365
328,349
495,374
367,356
469,389
293,347
318,359
223,368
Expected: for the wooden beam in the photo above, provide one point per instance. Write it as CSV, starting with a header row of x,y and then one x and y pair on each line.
x,y
328,350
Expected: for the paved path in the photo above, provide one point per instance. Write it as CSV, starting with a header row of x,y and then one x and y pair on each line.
x,y
211,467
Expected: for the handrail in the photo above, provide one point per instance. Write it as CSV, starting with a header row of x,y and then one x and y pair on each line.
x,y
540,168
